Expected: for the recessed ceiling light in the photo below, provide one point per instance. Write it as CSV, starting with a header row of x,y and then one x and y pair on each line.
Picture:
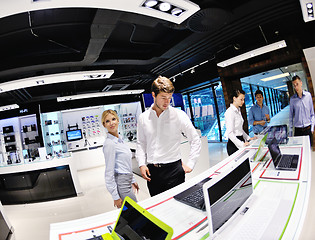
x,y
150,3
164,6
176,11
275,77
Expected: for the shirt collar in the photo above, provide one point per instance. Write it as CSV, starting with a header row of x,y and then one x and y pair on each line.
x,y
235,109
154,112
303,94
115,139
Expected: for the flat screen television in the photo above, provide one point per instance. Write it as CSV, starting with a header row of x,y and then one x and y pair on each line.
x,y
74,135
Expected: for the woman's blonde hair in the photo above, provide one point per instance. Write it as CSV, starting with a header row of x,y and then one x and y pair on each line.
x,y
106,112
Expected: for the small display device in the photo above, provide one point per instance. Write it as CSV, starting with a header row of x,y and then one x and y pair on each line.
x,y
74,135
8,139
7,129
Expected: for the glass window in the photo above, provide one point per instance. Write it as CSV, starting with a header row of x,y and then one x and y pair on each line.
x,y
248,100
214,133
204,111
186,105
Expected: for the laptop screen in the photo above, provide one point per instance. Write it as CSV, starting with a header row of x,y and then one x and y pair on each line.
x,y
279,132
274,150
228,194
132,225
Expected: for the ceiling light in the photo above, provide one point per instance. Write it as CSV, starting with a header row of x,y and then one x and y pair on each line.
x,y
9,107
164,6
99,94
307,7
55,78
176,11
282,86
150,3
254,53
275,77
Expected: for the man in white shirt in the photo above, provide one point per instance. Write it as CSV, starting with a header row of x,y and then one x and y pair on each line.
x,y
159,133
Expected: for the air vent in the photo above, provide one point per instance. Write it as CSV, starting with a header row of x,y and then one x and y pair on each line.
x,y
115,87
207,20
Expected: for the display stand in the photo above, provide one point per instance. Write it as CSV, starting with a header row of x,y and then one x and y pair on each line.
x,y
286,221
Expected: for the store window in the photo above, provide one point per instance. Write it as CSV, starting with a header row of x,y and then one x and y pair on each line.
x,y
208,108
248,100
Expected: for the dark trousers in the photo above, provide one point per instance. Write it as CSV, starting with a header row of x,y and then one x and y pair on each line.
x,y
231,148
165,176
306,131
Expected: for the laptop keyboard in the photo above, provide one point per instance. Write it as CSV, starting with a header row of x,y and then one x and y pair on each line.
x,y
96,238
194,197
285,163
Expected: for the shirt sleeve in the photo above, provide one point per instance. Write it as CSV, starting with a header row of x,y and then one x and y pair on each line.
x,y
193,137
230,123
141,143
251,116
312,113
109,155
291,115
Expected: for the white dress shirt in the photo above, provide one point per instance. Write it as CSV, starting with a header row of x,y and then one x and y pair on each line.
x,y
117,160
159,138
234,126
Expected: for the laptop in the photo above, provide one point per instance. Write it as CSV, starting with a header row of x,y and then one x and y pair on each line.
x,y
193,196
226,194
136,223
282,161
280,132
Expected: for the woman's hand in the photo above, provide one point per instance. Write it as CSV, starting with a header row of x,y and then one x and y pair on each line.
x,y
253,138
135,187
246,144
118,203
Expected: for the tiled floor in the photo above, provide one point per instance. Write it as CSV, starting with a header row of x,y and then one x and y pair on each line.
x,y
32,221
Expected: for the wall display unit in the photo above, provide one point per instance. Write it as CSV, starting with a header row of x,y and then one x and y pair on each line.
x,y
54,134
128,114
10,142
30,138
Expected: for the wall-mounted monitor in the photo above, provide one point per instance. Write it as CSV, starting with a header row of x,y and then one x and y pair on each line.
x,y
74,135
7,129
8,139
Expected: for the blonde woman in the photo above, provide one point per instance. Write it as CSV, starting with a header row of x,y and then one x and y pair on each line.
x,y
119,178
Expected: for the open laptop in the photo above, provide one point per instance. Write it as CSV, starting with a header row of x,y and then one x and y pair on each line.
x,y
226,193
280,132
193,196
136,223
282,161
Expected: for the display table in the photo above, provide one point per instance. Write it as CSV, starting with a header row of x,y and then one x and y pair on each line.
x,y
287,192
39,181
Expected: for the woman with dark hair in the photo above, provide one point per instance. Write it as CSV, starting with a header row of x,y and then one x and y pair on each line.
x,y
234,124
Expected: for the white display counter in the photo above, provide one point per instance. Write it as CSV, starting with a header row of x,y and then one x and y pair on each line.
x,y
272,186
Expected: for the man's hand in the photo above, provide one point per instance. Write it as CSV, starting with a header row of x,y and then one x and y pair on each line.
x,y
135,187
145,172
186,168
118,203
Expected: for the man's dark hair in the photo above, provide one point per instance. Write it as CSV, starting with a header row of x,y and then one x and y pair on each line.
x,y
259,92
296,77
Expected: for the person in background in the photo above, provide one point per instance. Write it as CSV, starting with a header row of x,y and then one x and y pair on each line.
x,y
159,133
301,115
258,115
119,178
237,138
